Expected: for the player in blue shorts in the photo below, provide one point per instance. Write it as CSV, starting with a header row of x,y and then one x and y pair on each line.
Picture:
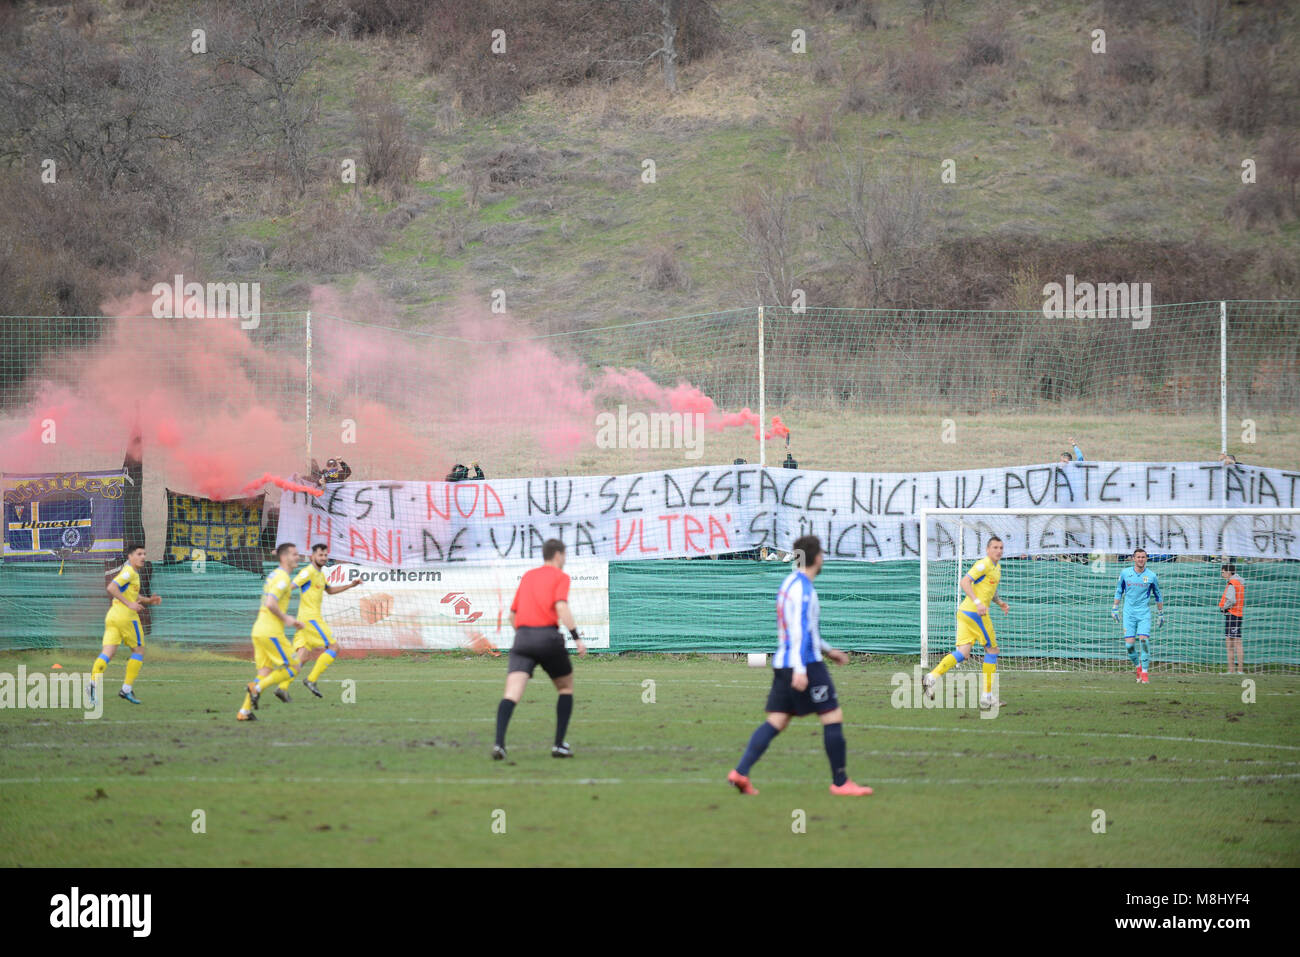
x,y
801,682
1137,587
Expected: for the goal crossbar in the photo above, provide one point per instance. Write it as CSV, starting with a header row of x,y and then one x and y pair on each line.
x,y
925,514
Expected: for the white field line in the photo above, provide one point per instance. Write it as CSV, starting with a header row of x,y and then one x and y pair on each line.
x,y
715,781
686,750
634,681
944,729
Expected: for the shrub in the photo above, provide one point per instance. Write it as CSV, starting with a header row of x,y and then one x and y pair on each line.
x,y
561,42
387,150
988,44
918,76
662,270
1247,102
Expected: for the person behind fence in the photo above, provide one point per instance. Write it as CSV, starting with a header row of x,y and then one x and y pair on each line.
x,y
335,470
460,473
1078,452
1233,605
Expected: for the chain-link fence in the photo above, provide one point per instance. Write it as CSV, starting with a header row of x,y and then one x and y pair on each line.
x,y
221,404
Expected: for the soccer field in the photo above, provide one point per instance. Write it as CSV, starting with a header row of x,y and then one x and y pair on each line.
x,y
1185,772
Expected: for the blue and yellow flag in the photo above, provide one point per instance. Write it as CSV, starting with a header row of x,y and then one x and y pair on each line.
x,y
58,516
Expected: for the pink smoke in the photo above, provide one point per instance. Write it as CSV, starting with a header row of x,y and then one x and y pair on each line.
x,y
222,410
683,397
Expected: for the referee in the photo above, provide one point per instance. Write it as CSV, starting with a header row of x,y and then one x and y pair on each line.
x,y
541,604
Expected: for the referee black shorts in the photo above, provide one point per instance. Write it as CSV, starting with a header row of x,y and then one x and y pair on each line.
x,y
540,646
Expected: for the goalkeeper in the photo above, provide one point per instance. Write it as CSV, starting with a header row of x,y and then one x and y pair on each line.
x,y
1137,587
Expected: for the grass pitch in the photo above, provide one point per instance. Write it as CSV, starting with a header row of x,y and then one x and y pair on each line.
x,y
1185,772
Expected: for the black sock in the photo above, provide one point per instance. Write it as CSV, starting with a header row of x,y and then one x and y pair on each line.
x,y
836,750
563,711
758,742
504,710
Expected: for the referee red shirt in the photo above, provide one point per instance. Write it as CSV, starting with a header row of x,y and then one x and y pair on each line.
x,y
539,590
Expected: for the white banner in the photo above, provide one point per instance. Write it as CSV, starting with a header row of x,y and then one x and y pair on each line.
x,y
859,516
441,607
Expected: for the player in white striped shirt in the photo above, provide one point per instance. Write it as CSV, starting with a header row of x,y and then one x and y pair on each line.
x,y
801,682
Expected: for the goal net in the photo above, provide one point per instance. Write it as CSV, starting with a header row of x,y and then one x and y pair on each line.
x,y
1060,571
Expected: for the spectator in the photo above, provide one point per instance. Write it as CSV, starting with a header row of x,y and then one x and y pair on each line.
x,y
460,473
789,462
1233,605
336,470
1076,457
1228,459
740,462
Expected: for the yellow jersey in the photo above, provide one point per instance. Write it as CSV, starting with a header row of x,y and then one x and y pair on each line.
x,y
309,583
128,581
278,585
985,575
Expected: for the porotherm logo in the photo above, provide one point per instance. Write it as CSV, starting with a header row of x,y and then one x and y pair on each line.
x,y
77,910
338,575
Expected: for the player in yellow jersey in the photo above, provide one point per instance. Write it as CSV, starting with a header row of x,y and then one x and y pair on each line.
x,y
122,623
313,631
974,624
270,646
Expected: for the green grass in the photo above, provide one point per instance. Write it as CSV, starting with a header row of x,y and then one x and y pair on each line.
x,y
1186,774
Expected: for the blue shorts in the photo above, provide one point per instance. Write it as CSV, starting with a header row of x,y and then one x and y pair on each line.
x,y
1137,623
818,697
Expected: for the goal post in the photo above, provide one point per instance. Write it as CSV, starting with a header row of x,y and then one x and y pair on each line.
x,y
1060,569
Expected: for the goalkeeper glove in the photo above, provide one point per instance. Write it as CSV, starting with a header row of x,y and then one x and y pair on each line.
x,y
1160,622
1114,613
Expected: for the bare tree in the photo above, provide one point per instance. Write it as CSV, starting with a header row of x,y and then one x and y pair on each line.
x,y
885,224
766,226
659,25
668,10
1205,21
268,44
106,115
1283,161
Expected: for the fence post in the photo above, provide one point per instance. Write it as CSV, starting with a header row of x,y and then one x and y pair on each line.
x,y
762,396
1223,376
924,516
308,395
